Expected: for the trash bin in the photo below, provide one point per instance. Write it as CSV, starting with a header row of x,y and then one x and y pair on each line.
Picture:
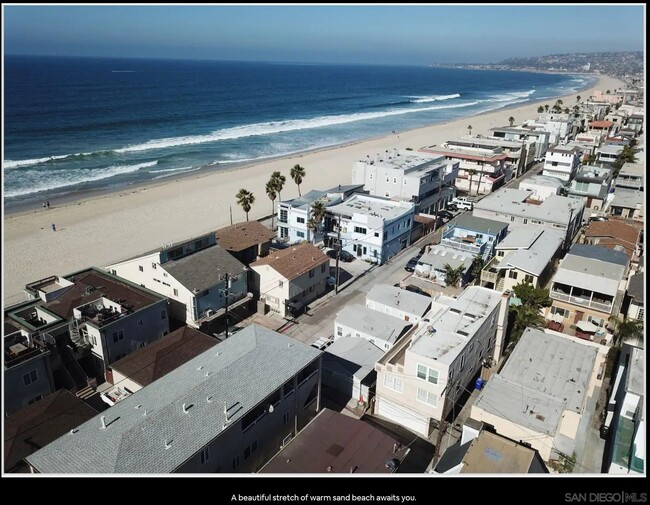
x,y
479,384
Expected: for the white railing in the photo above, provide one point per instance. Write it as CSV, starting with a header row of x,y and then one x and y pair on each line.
x,y
603,307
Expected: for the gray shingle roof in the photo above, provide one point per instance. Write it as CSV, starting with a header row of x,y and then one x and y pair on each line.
x,y
599,253
243,371
479,224
204,269
635,288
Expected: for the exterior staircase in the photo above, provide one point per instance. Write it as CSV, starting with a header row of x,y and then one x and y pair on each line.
x,y
85,393
500,284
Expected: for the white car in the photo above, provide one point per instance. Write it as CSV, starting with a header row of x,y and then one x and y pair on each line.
x,y
463,203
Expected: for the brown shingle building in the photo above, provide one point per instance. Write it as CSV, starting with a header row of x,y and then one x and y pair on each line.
x,y
246,241
614,235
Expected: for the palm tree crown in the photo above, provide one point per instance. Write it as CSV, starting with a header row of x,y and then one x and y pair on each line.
x,y
246,199
297,174
272,194
511,120
453,275
278,182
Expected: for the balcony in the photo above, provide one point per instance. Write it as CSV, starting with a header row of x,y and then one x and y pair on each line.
x,y
581,301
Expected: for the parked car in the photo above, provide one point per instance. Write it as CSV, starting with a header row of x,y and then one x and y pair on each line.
x,y
598,218
410,266
462,203
345,256
445,214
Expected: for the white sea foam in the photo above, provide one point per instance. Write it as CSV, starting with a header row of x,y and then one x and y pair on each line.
x,y
510,96
178,169
277,127
10,164
433,98
49,180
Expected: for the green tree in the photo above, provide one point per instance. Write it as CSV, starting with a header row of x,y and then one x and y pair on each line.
x,y
567,110
278,183
576,108
578,98
246,199
511,120
471,173
527,315
318,210
627,155
608,92
453,275
312,225
540,109
628,331
298,174
272,194
559,102
591,159
477,266
469,128
546,107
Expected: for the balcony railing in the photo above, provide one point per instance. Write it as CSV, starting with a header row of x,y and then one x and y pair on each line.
x,y
584,302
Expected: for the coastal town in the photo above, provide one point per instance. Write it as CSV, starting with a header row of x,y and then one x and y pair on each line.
x,y
468,305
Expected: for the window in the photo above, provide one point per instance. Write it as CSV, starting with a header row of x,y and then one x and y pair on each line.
x,y
30,377
528,278
392,382
301,234
376,234
280,284
387,179
525,221
235,462
339,331
370,176
322,268
140,322
596,320
300,220
394,180
462,362
114,272
285,418
250,449
205,455
312,272
427,397
640,314
512,218
118,335
451,374
359,229
428,374
175,292
512,274
385,235
557,310
163,314
141,268
500,254
93,340
35,399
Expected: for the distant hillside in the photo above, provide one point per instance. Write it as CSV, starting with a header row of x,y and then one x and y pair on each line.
x,y
616,64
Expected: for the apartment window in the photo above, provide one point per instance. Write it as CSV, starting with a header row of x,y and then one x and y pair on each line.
x,y
93,340
248,451
301,234
557,310
376,234
451,374
285,418
235,462
462,362
312,272
428,374
35,399
640,315
392,382
425,396
205,455
280,284
394,180
339,331
141,268
500,254
118,335
512,218
512,274
528,278
596,320
525,221
323,267
492,321
29,377
153,265
359,229
175,292
140,322
300,220
163,314
385,235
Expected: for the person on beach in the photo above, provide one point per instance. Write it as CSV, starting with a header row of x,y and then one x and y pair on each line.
x,y
53,227
48,204
44,205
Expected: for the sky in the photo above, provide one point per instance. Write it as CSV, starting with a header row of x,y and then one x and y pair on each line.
x,y
369,34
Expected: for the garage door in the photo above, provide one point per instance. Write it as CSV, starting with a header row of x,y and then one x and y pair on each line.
x,y
404,416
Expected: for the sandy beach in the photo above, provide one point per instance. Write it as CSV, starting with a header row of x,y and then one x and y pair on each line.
x,y
109,227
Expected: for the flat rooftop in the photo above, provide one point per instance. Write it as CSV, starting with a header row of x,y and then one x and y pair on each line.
x,y
372,322
479,224
356,355
405,160
467,153
480,141
439,255
636,372
545,375
610,149
541,180
384,208
305,201
240,373
512,202
453,325
399,299
627,198
492,453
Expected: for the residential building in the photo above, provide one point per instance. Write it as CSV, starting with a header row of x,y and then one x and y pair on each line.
x,y
397,302
482,450
288,280
422,179
480,172
246,241
603,127
610,98
517,208
525,255
370,227
626,414
635,122
592,184
560,126
336,443
35,426
628,204
616,235
520,133
475,235
258,389
636,294
349,367
608,153
562,163
142,367
94,317
520,153
592,138
198,276
28,375
588,285
542,186
545,393
431,265
294,215
631,176
425,373
378,328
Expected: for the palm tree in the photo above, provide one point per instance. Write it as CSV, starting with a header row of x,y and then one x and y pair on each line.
x,y
540,109
453,275
312,225
471,173
546,107
318,210
578,98
297,174
607,92
272,194
527,314
559,102
469,128
576,109
629,331
511,120
567,110
278,183
477,266
245,198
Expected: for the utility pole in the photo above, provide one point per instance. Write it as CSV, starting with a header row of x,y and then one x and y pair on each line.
x,y
338,254
442,426
231,215
226,294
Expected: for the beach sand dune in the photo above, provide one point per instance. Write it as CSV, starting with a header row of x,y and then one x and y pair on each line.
x,y
104,229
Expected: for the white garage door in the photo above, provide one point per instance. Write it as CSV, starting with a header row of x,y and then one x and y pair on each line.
x,y
403,416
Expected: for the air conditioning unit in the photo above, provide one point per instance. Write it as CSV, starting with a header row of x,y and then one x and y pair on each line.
x,y
209,312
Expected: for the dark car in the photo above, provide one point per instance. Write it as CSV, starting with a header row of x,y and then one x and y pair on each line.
x,y
345,256
410,266
445,215
598,218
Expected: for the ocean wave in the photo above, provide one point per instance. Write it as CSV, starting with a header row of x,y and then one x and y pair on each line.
x,y
47,181
433,98
179,169
273,127
174,172
10,164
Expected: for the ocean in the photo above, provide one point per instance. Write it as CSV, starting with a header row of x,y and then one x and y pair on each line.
x,y
79,124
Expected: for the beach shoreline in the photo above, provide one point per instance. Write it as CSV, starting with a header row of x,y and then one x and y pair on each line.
x,y
109,225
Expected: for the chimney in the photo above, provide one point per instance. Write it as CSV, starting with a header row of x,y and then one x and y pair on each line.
x,y
502,325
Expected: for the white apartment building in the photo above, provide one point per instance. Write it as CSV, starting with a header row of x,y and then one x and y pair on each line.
x,y
521,133
397,302
562,163
542,186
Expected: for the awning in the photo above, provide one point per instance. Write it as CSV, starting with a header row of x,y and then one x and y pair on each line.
x,y
557,318
587,326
